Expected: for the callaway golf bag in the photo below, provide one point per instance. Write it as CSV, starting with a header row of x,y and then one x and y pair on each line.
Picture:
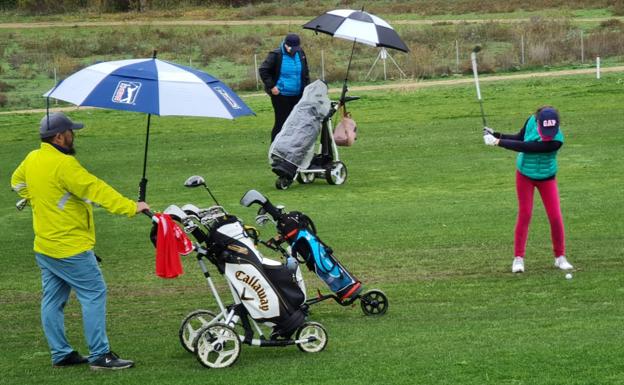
x,y
299,232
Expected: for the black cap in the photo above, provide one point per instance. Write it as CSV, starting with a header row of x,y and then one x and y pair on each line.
x,y
292,40
55,123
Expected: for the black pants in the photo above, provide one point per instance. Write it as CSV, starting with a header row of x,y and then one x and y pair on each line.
x,y
282,106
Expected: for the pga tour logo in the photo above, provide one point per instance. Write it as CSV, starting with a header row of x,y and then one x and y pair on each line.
x,y
126,92
227,98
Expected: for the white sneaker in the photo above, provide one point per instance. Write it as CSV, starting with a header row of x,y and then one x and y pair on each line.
x,y
562,263
518,265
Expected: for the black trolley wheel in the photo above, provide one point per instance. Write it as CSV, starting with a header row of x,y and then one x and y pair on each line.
x,y
282,183
374,303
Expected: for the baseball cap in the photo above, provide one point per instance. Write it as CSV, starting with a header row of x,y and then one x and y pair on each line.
x,y
548,122
56,122
292,39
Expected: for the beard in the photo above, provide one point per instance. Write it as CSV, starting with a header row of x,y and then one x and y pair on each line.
x,y
71,150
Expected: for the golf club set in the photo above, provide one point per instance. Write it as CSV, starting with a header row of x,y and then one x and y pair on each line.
x,y
270,307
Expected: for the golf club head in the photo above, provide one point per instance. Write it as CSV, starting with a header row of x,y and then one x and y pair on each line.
x,y
194,181
191,209
251,197
476,49
176,212
263,219
21,204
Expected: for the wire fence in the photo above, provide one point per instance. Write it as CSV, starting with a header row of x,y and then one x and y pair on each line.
x,y
28,68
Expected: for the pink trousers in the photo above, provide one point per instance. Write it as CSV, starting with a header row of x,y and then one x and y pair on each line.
x,y
549,192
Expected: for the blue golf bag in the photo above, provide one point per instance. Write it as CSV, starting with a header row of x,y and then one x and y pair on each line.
x,y
299,231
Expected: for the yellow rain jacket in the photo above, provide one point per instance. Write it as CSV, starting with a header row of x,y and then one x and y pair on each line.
x,y
61,193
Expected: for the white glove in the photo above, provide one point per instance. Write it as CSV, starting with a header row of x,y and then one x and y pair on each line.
x,y
488,130
490,140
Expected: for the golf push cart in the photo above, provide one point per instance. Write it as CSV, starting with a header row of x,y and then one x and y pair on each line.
x,y
269,306
304,246
292,155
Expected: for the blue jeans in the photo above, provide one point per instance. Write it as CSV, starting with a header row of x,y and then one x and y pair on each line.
x,y
58,276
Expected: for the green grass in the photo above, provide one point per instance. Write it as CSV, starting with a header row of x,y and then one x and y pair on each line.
x,y
426,215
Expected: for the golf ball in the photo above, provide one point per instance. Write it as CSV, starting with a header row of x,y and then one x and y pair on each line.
x,y
568,276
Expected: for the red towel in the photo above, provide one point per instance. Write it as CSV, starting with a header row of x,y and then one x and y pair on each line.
x,y
170,243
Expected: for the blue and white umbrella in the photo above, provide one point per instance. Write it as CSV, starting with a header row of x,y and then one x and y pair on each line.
x,y
152,86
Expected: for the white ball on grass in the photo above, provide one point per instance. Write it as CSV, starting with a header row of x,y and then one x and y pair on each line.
x,y
568,276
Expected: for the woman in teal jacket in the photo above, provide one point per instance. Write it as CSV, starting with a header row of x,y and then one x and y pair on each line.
x,y
285,74
537,145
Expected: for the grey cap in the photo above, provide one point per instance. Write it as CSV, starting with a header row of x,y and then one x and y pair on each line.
x,y
56,123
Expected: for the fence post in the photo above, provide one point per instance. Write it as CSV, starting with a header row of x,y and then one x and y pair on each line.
x,y
55,83
597,67
323,65
582,49
522,48
256,71
457,56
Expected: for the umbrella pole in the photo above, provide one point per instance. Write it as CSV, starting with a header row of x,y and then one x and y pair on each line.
x,y
344,84
143,183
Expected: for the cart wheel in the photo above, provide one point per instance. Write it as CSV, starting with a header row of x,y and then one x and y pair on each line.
x,y
336,173
191,325
306,178
282,183
217,346
316,335
374,302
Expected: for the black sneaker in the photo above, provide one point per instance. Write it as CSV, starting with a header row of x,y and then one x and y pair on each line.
x,y
73,358
112,361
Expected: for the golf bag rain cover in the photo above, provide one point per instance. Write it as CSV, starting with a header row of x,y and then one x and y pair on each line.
x,y
298,230
294,145
270,292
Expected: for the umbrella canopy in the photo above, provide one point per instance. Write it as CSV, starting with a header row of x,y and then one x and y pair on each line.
x,y
359,26
151,86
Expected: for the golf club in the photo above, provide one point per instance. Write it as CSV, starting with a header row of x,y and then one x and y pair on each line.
x,y
473,59
21,204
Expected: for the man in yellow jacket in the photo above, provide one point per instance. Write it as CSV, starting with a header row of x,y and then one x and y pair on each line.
x,y
61,193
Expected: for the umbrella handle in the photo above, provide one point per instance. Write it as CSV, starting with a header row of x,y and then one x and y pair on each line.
x,y
142,189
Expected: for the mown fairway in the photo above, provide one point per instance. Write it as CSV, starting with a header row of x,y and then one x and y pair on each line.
x,y
426,215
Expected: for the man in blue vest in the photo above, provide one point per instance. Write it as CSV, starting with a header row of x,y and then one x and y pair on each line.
x,y
537,145
285,74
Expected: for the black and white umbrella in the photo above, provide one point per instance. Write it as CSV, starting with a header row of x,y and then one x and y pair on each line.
x,y
357,26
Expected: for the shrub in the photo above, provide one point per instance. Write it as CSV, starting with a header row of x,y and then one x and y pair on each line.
x,y
3,100
612,24
5,86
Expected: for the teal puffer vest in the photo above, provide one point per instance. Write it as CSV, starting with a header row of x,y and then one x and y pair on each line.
x,y
541,165
289,82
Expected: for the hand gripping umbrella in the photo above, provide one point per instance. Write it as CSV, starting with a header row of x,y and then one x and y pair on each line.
x,y
152,86
357,26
